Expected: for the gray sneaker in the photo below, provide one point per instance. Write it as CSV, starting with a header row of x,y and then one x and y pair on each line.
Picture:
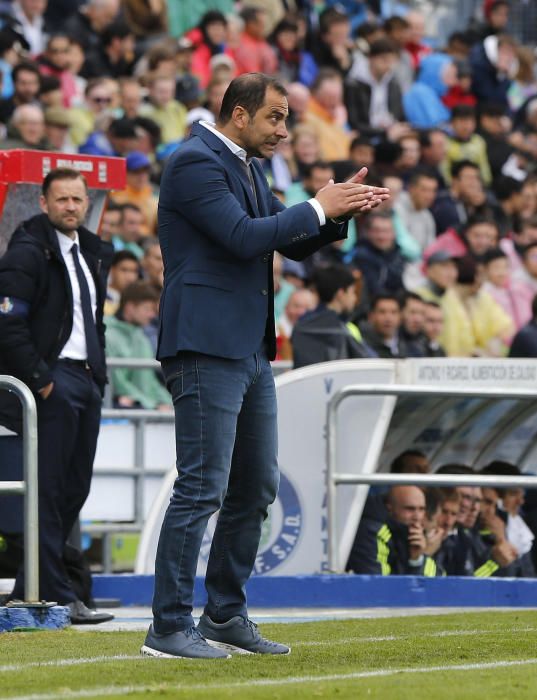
x,y
184,645
238,635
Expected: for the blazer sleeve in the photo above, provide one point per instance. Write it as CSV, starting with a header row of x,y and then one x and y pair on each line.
x,y
197,189
328,233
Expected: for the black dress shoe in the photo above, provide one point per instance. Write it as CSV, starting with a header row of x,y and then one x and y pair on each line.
x,y
81,615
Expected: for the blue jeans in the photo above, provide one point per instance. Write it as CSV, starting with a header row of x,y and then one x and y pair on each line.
x,y
226,441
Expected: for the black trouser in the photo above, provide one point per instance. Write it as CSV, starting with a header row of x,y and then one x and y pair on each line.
x,y
68,426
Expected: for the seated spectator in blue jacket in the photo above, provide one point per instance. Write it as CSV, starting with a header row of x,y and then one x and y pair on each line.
x,y
378,256
525,341
398,545
423,104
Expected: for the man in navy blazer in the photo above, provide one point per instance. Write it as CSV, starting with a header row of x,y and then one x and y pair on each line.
x,y
219,224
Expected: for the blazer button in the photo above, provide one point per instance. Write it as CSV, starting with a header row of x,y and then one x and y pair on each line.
x,y
264,292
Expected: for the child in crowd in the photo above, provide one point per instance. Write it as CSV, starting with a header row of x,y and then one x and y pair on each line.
x,y
465,144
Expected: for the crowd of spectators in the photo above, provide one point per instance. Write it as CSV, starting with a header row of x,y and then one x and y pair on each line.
x,y
460,531
447,266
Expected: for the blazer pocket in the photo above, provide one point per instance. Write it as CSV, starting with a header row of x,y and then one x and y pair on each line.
x,y
207,279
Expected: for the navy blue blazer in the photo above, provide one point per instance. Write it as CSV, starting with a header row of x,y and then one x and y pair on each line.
x,y
217,244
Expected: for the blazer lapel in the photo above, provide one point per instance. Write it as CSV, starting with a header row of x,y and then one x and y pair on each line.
x,y
260,186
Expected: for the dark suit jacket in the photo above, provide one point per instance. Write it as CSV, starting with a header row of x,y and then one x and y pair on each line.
x,y
217,243
358,101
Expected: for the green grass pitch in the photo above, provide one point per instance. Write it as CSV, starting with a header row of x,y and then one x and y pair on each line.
x,y
490,655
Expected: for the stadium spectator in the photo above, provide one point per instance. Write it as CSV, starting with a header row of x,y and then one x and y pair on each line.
x,y
398,545
115,56
440,275
27,129
135,388
57,124
474,324
415,45
381,331
327,115
124,270
433,144
465,197
397,30
411,462
26,85
187,86
97,103
165,110
508,193
334,46
422,103
378,256
525,341
253,53
130,230
294,64
300,302
373,96
29,17
208,39
131,97
509,293
413,207
433,327
474,238
494,65
139,190
465,144
494,130
90,20
55,61
110,221
324,334
118,137
52,280
411,331
152,265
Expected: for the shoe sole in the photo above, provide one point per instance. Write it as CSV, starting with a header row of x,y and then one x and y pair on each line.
x,y
240,650
148,651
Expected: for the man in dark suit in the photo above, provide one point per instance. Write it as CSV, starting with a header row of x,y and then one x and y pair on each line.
x,y
219,225
53,287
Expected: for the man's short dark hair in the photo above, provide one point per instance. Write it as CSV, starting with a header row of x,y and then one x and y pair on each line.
x,y
150,126
500,468
383,296
329,280
399,464
129,205
492,109
395,22
381,47
425,136
307,170
454,468
384,215
419,174
61,174
493,254
331,16
49,83
322,75
505,187
122,128
463,112
115,30
137,293
122,255
410,296
25,66
432,304
459,165
248,91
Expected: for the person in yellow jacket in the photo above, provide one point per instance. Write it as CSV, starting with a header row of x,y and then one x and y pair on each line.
x,y
475,325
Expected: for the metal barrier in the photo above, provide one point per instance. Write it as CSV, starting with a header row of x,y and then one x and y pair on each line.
x,y
28,487
334,478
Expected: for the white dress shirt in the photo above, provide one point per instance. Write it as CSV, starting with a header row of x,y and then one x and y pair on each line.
x,y
32,29
75,347
241,153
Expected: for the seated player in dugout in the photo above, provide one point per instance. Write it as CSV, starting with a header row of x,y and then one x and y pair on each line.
x,y
398,545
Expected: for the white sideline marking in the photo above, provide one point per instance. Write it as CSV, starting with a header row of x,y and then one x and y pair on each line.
x,y
348,640
158,688
400,637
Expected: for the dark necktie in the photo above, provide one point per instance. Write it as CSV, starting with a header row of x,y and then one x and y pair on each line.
x,y
95,355
252,182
